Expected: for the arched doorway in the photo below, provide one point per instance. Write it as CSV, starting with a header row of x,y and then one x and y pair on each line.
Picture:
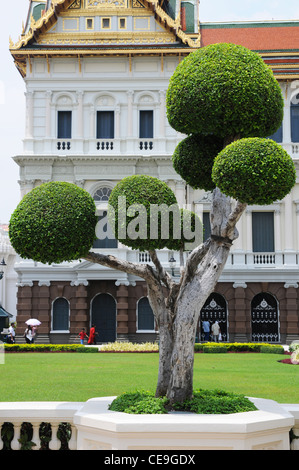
x,y
264,318
215,309
103,316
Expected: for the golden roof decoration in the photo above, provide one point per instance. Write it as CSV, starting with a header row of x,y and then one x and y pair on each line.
x,y
51,14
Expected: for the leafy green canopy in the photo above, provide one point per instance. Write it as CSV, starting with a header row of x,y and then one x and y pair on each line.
x,y
144,214
54,222
226,90
191,232
193,160
255,171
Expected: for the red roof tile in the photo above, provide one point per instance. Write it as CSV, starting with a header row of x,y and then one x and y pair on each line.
x,y
259,37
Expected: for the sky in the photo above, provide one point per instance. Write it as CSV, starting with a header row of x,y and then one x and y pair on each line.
x,y
12,86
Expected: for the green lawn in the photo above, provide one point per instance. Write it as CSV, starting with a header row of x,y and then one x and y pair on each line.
x,y
78,377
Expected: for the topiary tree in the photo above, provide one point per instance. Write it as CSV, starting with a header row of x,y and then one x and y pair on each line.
x,y
54,222
227,101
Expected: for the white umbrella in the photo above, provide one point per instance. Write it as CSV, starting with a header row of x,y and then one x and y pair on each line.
x,y
33,322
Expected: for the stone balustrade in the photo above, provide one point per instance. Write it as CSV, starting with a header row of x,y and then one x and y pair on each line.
x,y
37,413
94,427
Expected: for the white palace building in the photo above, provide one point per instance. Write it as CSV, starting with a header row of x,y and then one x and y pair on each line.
x,y
96,75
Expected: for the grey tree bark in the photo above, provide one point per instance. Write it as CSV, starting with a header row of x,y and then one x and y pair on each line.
x,y
177,305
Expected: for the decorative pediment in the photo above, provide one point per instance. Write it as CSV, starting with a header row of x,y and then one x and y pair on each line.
x,y
104,22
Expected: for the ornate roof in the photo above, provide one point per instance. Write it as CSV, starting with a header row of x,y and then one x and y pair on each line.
x,y
44,31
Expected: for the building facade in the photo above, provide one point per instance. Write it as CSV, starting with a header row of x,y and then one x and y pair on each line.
x,y
96,75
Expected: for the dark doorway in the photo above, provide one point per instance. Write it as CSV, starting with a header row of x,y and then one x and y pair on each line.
x,y
103,316
215,309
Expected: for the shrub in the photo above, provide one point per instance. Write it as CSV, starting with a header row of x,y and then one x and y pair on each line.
x,y
215,348
225,90
139,402
266,167
203,402
140,192
217,402
271,348
54,222
193,160
49,348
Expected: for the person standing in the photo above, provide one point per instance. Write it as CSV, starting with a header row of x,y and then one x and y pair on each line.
x,y
215,331
82,335
28,335
11,337
92,335
206,329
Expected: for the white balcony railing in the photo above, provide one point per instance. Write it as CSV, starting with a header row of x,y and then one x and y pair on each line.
x,y
88,146
264,259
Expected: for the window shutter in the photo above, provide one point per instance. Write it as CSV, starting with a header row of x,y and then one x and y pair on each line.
x,y
105,125
64,125
263,232
146,125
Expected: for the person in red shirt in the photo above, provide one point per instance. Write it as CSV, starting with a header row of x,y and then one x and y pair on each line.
x,y
82,335
92,335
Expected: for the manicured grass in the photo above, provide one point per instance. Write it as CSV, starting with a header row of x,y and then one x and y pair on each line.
x,y
78,377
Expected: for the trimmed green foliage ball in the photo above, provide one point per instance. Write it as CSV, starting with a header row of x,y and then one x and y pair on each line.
x,y
254,171
132,220
191,232
54,222
226,90
193,160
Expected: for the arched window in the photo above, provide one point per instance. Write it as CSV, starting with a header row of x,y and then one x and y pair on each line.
x,y
145,316
60,315
102,194
264,318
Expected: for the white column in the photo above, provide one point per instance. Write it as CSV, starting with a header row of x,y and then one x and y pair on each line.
x,y
48,114
130,95
54,444
35,436
162,113
29,115
249,230
92,133
80,115
180,192
277,229
117,122
288,224
289,249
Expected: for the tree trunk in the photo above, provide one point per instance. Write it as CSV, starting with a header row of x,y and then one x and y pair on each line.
x,y
177,312
189,305
196,288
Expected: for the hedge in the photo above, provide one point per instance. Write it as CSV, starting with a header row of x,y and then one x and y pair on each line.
x,y
198,347
49,348
238,347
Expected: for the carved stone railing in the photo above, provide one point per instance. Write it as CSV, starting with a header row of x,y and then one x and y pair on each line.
x,y
37,413
94,427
